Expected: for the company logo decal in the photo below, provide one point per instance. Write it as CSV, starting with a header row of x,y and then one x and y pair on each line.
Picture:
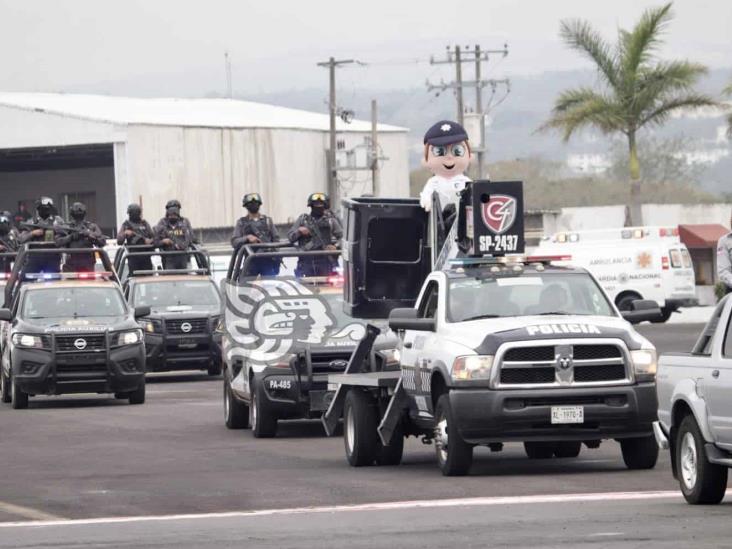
x,y
499,213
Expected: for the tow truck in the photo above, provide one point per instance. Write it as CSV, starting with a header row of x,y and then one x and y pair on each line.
x,y
185,308
68,332
495,347
260,389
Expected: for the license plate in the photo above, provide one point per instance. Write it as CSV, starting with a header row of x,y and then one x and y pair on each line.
x,y
568,414
187,344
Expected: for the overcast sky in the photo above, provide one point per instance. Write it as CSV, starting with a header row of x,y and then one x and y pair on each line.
x,y
176,47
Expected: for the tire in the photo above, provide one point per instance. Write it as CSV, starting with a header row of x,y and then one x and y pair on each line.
x,y
214,369
665,315
567,449
264,424
19,398
5,395
360,420
236,414
639,453
700,481
539,450
454,455
391,454
138,395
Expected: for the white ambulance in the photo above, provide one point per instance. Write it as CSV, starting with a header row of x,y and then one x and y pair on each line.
x,y
631,263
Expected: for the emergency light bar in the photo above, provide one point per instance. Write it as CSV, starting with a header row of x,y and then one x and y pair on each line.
x,y
507,260
96,275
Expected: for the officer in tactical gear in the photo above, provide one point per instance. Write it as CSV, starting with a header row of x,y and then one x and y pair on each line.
x,y
136,231
724,261
316,231
173,233
79,234
41,228
256,228
8,241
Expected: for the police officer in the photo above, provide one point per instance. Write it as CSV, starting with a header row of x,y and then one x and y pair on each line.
x,y
41,228
316,231
173,233
136,231
8,241
724,260
79,234
256,228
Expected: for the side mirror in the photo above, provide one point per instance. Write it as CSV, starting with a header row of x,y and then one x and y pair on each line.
x,y
642,310
407,319
142,310
6,315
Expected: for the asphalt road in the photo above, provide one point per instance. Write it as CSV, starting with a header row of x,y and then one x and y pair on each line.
x,y
96,458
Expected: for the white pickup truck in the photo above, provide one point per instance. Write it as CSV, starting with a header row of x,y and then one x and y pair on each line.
x,y
695,410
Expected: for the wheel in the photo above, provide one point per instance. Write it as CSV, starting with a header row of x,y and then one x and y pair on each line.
x,y
567,449
5,395
138,395
665,315
539,450
360,419
391,454
700,481
236,414
639,453
454,455
19,398
214,368
264,424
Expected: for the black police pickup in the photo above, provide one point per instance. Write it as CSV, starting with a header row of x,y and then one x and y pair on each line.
x,y
180,331
69,333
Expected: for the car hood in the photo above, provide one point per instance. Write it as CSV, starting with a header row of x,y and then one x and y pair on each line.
x,y
183,311
86,324
486,335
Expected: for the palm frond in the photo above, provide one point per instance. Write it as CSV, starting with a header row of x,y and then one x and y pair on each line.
x,y
661,112
638,45
580,108
663,80
580,36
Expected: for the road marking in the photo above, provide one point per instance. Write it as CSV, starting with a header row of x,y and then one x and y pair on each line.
x,y
28,512
395,505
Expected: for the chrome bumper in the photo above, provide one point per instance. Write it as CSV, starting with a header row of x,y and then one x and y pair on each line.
x,y
661,438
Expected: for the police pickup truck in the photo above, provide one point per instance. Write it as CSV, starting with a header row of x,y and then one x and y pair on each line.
x,y
68,332
695,410
504,349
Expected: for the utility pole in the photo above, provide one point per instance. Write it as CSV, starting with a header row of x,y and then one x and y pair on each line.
x,y
375,183
333,108
479,110
227,68
459,83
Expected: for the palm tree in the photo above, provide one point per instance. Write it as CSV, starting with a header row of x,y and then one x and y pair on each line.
x,y
634,90
728,91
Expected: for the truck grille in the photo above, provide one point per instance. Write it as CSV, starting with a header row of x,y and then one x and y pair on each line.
x,y
329,362
80,343
562,364
197,326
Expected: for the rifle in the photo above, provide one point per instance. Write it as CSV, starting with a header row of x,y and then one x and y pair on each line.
x,y
312,226
77,230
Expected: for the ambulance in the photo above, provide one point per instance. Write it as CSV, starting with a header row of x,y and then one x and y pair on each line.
x,y
631,263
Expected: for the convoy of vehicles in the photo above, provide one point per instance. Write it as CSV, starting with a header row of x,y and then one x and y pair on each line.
x,y
695,410
631,263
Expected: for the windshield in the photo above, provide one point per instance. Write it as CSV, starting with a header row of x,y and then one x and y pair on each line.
x,y
73,303
177,293
540,294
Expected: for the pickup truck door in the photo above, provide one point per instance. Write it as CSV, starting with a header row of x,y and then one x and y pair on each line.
x,y
718,388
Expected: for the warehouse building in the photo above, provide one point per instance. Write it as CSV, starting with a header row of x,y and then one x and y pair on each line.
x,y
110,151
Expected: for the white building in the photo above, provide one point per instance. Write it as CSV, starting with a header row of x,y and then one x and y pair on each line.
x,y
110,151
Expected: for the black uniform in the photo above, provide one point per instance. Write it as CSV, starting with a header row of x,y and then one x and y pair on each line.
x,y
264,229
181,233
47,263
142,233
9,242
325,230
83,234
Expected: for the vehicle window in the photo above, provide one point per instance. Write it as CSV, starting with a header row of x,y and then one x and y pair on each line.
x,y
704,344
175,293
564,293
72,303
676,261
428,306
686,259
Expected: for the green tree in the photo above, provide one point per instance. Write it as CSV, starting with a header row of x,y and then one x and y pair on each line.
x,y
635,89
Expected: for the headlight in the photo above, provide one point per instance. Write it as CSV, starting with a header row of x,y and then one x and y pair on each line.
x,y
217,323
29,341
645,362
130,337
472,367
149,326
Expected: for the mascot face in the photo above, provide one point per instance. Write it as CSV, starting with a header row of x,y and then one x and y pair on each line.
x,y
447,160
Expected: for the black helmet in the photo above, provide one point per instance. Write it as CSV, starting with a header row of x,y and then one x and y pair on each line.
x,y
134,209
77,209
7,214
44,201
173,203
318,197
4,219
251,197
